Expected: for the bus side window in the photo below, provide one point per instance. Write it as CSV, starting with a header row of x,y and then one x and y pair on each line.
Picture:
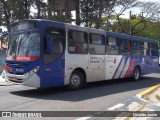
x,y
153,49
112,46
97,44
54,44
125,47
135,48
77,42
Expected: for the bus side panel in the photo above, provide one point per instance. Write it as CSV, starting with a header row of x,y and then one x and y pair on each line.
x,y
53,74
74,61
149,64
120,66
112,65
133,62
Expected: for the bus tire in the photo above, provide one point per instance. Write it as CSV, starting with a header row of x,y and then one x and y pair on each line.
x,y
136,73
76,81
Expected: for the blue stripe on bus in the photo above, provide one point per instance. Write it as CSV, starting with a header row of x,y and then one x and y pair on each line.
x,y
124,65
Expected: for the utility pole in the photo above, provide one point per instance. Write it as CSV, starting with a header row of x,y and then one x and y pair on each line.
x,y
130,22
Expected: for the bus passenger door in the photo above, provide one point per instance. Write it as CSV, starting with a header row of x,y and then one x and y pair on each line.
x,y
53,58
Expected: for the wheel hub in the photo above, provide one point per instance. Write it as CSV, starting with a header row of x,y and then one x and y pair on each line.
x,y
75,80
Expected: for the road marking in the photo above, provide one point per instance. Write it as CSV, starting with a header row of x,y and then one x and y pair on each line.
x,y
133,106
84,118
140,98
141,94
116,106
157,104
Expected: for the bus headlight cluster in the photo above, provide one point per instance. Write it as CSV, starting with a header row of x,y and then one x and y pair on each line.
x,y
33,71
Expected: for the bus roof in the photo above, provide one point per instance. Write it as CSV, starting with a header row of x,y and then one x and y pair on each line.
x,y
86,29
131,37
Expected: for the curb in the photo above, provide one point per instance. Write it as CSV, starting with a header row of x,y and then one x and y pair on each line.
x,y
147,91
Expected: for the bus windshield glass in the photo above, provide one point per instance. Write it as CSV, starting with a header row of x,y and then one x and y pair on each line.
x,y
24,47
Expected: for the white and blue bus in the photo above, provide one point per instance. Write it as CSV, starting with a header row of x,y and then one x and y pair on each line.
x,y
43,53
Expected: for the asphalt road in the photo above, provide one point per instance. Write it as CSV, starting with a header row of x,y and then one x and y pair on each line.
x,y
97,96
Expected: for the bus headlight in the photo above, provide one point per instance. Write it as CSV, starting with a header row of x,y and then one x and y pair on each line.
x,y
33,71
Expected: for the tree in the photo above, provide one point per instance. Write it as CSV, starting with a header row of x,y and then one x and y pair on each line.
x,y
92,11
152,30
14,10
120,7
77,6
5,13
149,13
20,9
41,7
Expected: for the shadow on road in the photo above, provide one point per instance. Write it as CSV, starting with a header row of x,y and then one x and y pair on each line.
x,y
92,90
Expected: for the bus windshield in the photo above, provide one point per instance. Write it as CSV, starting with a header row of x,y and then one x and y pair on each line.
x,y
24,47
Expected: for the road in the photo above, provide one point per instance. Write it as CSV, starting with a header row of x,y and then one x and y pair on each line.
x,y
97,96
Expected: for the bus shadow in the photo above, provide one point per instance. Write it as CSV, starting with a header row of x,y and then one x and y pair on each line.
x,y
92,90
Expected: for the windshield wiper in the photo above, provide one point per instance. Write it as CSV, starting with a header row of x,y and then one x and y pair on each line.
x,y
21,41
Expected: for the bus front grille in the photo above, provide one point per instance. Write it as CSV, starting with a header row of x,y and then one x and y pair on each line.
x,y
14,80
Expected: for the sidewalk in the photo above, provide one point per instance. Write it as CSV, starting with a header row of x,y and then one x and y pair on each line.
x,y
155,96
148,100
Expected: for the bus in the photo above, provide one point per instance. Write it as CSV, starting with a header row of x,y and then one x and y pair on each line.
x,y
43,53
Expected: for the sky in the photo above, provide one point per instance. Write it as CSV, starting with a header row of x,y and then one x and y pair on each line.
x,y
137,10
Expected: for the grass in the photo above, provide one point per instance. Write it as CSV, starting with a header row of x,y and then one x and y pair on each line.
x,y
146,97
158,97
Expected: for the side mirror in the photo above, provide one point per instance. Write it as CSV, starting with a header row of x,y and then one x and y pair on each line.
x,y
4,41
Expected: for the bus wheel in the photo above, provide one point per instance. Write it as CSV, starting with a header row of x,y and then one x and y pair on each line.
x,y
136,73
76,80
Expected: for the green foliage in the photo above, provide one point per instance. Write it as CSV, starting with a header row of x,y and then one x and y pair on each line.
x,y
151,31
139,26
158,97
60,18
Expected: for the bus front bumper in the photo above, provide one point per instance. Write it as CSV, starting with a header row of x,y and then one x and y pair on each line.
x,y
31,81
